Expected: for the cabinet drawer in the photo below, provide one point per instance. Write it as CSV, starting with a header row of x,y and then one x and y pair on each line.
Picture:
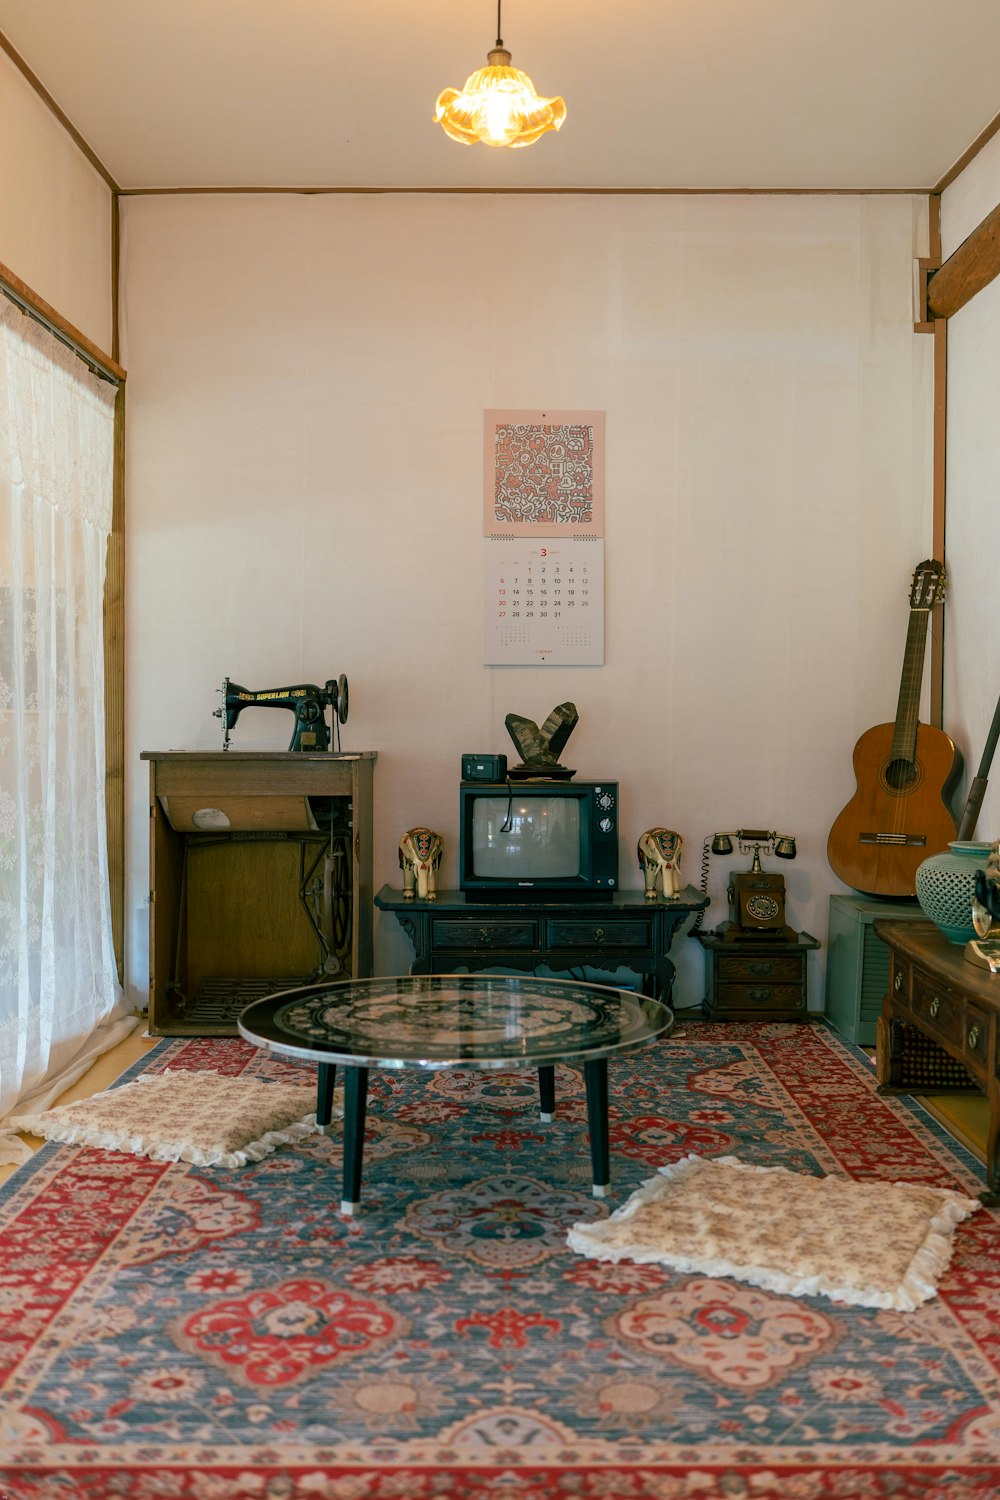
x,y
899,979
764,968
600,934
936,1009
977,1036
474,934
762,997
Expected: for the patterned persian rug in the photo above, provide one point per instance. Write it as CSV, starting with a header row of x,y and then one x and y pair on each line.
x,y
176,1331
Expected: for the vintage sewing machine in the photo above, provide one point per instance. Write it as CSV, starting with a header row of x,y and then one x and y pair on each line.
x,y
307,702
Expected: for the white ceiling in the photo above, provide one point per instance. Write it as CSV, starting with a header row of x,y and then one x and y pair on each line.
x,y
662,94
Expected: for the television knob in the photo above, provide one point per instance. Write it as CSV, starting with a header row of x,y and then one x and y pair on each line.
x,y
605,800
606,824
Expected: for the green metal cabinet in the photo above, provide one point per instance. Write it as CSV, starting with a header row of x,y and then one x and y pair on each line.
x,y
857,963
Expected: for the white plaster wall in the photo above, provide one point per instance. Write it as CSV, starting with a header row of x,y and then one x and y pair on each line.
x,y
55,211
970,197
972,640
307,382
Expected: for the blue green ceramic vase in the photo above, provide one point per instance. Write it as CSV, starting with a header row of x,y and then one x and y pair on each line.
x,y
945,885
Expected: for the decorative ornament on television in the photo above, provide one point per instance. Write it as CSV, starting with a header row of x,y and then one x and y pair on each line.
x,y
540,748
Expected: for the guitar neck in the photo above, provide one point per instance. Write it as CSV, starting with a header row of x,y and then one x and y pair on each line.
x,y
904,738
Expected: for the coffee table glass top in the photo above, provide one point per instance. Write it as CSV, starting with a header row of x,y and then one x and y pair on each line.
x,y
447,1020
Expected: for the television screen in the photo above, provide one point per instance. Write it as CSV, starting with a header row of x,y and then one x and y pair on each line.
x,y
535,838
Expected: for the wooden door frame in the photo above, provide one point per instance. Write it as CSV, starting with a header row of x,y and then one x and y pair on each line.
x,y
943,289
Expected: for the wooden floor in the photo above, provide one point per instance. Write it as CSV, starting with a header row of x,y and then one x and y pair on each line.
x,y
103,1073
963,1116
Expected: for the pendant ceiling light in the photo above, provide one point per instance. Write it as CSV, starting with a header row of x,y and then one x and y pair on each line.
x,y
498,105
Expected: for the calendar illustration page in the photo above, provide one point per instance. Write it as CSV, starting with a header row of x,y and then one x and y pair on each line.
x,y
544,601
543,473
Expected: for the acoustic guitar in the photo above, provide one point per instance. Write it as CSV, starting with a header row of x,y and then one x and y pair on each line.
x,y
898,815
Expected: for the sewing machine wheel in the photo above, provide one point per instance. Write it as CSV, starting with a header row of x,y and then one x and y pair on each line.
x,y
342,696
336,911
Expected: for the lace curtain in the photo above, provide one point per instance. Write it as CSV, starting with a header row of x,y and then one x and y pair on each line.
x,y
60,1001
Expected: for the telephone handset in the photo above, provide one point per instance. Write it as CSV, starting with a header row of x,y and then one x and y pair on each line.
x,y
756,897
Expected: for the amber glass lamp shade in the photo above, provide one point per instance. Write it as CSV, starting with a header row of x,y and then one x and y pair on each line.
x,y
497,106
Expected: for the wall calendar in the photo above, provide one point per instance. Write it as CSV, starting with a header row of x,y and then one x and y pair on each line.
x,y
544,601
543,549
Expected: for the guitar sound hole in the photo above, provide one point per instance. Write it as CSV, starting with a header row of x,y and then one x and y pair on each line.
x,y
900,775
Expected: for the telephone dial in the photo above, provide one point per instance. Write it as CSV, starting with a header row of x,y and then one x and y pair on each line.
x,y
756,897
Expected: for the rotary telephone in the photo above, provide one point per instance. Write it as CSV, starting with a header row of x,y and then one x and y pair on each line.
x,y
756,897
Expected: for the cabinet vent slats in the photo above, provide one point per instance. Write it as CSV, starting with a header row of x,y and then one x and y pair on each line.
x,y
857,967
874,974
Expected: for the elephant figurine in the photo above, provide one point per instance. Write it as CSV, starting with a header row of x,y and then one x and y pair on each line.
x,y
659,859
420,851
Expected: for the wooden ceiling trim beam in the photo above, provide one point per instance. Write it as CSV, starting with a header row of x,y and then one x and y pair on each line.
x,y
18,291
495,191
967,270
983,139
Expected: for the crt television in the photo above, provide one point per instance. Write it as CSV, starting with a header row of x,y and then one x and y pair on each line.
x,y
542,840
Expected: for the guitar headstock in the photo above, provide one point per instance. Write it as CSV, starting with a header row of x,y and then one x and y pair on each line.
x,y
927,588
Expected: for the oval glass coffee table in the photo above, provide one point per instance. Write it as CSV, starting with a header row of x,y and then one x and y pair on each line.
x,y
485,1022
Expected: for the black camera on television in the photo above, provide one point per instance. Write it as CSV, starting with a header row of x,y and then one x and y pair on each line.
x,y
484,768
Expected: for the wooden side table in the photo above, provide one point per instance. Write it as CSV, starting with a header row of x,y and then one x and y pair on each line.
x,y
956,1006
755,978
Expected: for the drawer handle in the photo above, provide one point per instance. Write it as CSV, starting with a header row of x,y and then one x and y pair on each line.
x,y
484,934
935,1007
759,994
598,934
760,968
973,1037
897,983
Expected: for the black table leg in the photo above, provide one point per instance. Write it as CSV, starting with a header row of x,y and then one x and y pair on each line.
x,y
324,1094
355,1104
547,1092
596,1077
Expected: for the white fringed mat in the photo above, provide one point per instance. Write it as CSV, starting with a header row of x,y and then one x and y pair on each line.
x,y
205,1118
872,1244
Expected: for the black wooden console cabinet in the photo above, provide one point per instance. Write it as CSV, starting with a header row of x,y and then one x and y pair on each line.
x,y
450,934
